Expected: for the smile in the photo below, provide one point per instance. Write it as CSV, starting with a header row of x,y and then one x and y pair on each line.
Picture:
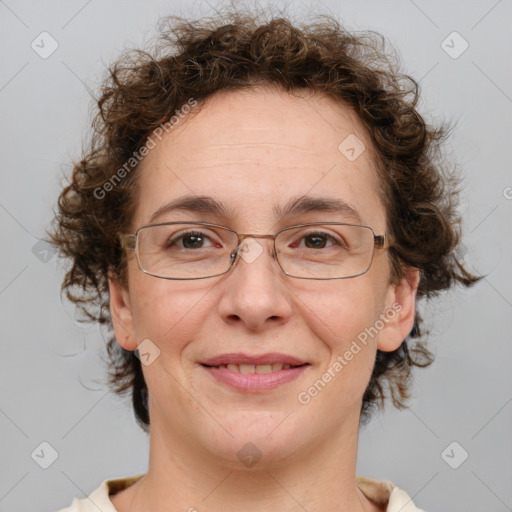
x,y
255,368
254,373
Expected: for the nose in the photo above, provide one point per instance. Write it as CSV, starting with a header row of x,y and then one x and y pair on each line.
x,y
254,293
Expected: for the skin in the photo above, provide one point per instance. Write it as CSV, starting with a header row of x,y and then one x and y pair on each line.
x,y
252,150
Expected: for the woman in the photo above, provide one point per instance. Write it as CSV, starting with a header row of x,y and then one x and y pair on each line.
x,y
259,211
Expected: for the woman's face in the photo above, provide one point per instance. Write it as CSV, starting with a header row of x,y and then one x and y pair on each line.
x,y
255,152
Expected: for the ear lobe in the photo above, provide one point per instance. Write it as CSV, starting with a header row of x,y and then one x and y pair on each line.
x,y
401,305
121,313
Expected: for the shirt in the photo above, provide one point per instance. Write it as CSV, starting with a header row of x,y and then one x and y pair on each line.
x,y
380,491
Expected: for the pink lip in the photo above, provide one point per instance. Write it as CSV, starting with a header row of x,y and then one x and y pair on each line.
x,y
241,358
254,382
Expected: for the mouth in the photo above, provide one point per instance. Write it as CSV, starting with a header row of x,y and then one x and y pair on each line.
x,y
254,373
256,368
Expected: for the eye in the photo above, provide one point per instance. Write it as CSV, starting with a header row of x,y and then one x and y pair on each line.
x,y
191,240
318,240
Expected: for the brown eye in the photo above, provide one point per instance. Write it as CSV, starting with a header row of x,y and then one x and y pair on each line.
x,y
315,241
193,241
189,240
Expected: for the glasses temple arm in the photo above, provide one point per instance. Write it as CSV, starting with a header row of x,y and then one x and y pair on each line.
x,y
128,241
384,241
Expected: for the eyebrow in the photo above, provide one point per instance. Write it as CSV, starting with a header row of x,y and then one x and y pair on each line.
x,y
198,204
306,204
295,206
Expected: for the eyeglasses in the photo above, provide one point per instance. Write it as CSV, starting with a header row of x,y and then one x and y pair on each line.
x,y
199,250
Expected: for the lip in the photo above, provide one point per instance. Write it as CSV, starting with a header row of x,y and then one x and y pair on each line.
x,y
254,382
241,358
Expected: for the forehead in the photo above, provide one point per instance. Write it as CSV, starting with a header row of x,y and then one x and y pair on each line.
x,y
257,151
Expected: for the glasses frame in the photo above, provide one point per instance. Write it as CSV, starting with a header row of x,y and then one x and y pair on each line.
x,y
130,242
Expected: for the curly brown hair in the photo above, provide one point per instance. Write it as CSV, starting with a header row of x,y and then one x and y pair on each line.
x,y
195,59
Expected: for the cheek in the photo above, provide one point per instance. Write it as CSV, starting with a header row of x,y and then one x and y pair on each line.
x,y
341,309
341,316
165,311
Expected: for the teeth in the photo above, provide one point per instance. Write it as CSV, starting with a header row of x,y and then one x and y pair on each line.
x,y
247,368
258,368
264,368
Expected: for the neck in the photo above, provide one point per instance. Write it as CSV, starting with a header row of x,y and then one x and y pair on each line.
x,y
181,477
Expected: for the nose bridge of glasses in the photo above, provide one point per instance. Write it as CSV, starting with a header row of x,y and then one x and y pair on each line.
x,y
249,251
244,236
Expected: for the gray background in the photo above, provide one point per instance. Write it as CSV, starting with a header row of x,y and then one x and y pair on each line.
x,y
52,375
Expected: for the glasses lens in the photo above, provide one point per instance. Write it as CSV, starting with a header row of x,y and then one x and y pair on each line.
x,y
325,251
185,251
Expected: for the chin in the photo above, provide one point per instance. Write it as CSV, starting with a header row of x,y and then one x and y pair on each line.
x,y
258,439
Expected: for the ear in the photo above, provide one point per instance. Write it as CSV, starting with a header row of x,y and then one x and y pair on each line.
x,y
121,313
400,311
